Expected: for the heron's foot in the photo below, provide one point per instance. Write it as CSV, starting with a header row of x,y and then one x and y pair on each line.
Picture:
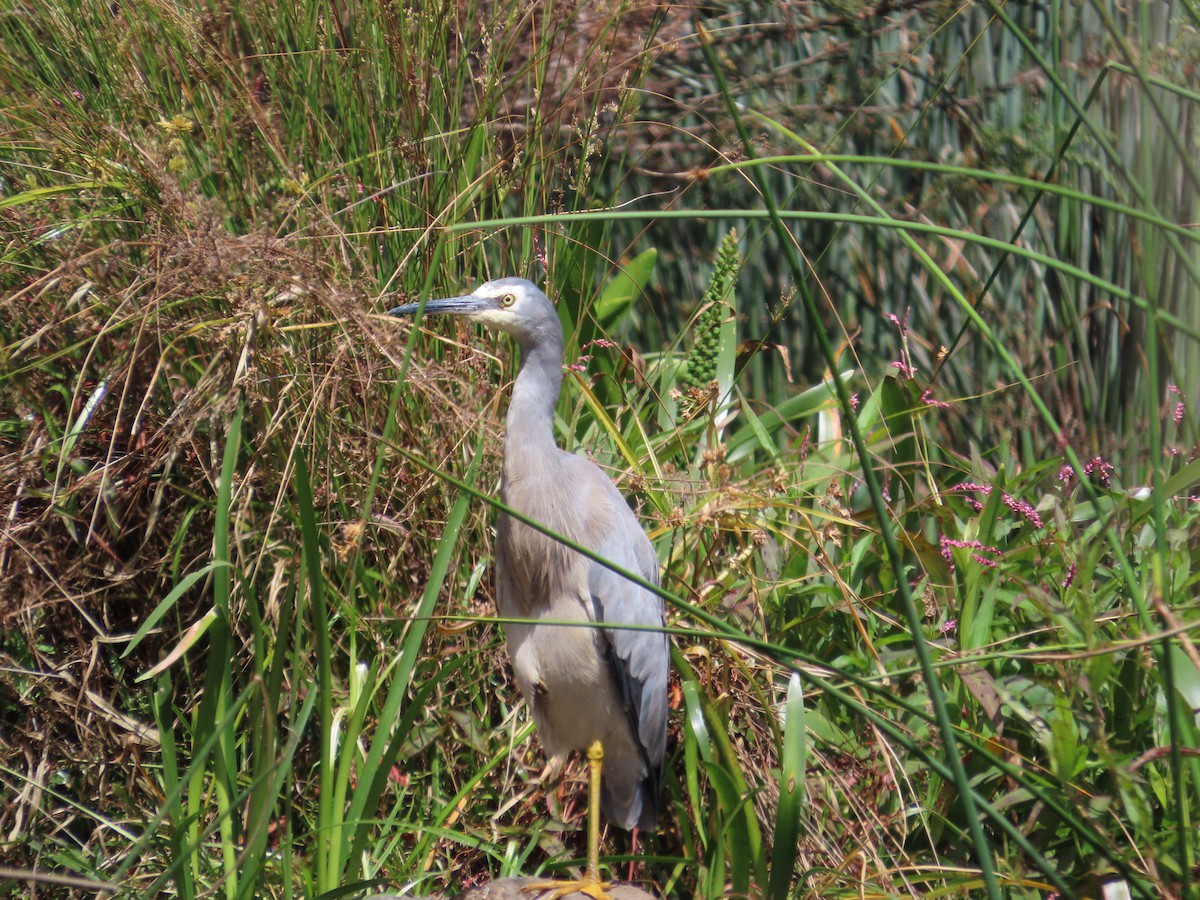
x,y
588,884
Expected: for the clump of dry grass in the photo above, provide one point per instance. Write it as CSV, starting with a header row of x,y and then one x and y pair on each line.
x,y
132,345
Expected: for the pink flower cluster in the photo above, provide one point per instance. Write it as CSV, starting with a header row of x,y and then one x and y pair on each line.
x,y
1099,469
904,364
927,399
948,544
1020,507
1096,468
1179,407
580,364
1072,571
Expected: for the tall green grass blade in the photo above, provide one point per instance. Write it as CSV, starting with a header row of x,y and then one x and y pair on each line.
x,y
173,787
166,605
385,746
792,768
212,722
329,819
184,867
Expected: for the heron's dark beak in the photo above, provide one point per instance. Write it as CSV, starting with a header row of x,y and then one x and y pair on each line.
x,y
454,306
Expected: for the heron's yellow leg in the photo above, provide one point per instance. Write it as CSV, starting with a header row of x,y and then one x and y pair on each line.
x,y
590,884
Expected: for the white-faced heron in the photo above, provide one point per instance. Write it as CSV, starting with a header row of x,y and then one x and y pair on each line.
x,y
593,689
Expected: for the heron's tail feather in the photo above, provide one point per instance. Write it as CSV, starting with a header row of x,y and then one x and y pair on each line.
x,y
630,804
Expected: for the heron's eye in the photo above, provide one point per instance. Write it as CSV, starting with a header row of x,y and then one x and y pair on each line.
x,y
508,300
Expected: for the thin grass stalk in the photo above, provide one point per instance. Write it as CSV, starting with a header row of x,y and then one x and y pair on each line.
x,y
391,423
698,751
424,845
218,683
901,225
328,818
1181,720
260,741
870,477
386,744
1159,591
347,750
1153,80
1185,154
271,769
1041,191
185,865
171,809
739,830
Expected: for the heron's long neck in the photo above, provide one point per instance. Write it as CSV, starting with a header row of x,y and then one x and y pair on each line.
x,y
530,423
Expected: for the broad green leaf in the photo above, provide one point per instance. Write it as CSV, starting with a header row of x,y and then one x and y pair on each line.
x,y
623,288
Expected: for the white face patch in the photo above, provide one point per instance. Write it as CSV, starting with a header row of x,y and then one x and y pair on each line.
x,y
496,318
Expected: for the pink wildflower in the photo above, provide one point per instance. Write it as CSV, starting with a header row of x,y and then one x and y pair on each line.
x,y
1021,508
1180,409
927,399
965,486
1100,470
902,327
904,364
1070,577
948,545
973,486
580,364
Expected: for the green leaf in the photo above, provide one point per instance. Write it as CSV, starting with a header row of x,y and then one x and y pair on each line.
x,y
791,794
35,195
624,287
385,747
167,602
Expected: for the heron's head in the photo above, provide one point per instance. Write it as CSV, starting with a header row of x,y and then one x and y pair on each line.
x,y
512,305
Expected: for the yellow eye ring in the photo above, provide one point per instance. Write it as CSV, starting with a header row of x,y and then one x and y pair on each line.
x,y
508,300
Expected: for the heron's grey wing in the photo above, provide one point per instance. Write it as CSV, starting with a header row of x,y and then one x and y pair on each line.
x,y
640,657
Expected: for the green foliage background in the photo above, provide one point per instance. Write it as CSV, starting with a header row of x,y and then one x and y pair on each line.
x,y
917,446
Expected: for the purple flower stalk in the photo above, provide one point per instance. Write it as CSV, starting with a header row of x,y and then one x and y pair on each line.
x,y
927,399
1100,470
1020,507
948,544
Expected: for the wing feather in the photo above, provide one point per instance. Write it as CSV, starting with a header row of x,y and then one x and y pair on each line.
x,y
640,658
